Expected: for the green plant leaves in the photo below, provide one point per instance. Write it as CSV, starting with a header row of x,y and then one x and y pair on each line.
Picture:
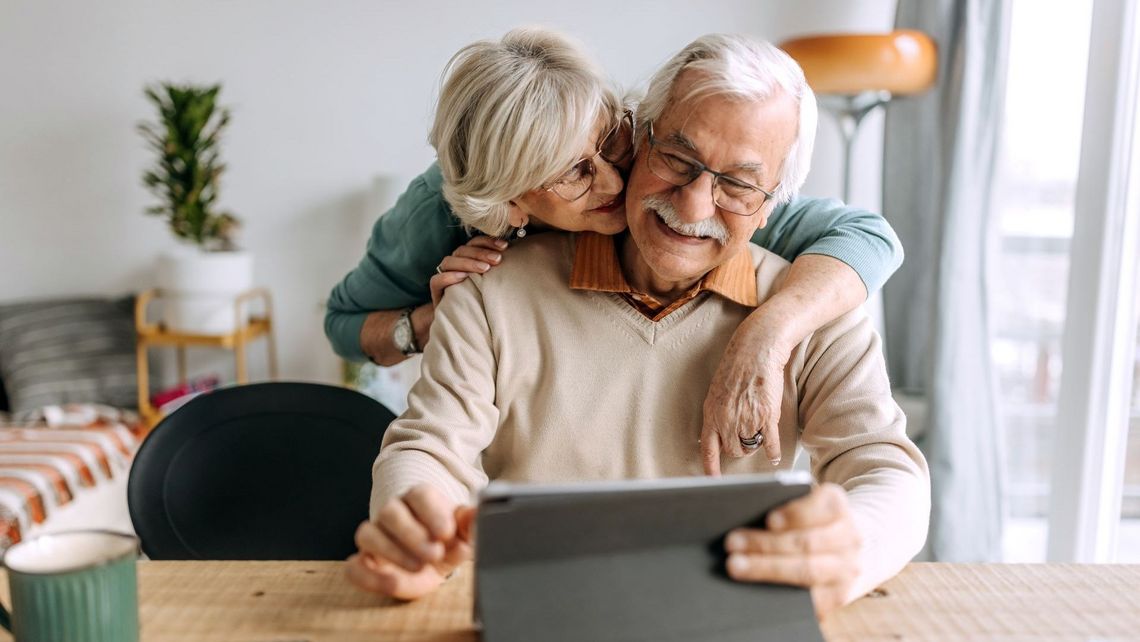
x,y
187,168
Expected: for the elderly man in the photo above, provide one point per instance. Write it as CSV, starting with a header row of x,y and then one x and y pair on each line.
x,y
588,356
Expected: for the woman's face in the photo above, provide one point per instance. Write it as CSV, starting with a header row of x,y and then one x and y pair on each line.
x,y
561,203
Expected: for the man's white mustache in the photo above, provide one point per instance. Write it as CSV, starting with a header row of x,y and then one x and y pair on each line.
x,y
709,227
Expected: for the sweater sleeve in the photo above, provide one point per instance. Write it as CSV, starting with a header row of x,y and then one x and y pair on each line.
x,y
861,239
856,436
406,244
451,416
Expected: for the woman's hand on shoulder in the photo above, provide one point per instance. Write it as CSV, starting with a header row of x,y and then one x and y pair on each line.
x,y
742,406
478,256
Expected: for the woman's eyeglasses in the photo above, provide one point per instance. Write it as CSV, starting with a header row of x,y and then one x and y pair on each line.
x,y
616,148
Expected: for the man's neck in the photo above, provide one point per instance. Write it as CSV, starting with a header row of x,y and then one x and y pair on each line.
x,y
643,279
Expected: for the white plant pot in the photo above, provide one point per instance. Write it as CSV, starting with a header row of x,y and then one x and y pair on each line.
x,y
199,289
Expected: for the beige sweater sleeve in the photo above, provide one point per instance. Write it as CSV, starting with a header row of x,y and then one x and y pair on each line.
x,y
856,436
451,416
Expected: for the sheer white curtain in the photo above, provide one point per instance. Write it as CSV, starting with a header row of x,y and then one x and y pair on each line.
x,y
937,167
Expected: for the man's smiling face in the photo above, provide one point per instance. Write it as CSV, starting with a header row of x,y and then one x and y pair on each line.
x,y
680,233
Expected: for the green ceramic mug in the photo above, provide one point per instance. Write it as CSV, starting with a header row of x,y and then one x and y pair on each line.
x,y
78,585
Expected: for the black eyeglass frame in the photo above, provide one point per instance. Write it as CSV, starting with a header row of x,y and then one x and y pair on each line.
x,y
699,168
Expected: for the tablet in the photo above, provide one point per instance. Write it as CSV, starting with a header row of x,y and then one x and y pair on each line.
x,y
631,560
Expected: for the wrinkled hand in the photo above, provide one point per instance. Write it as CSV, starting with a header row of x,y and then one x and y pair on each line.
x,y
414,543
476,257
810,542
744,398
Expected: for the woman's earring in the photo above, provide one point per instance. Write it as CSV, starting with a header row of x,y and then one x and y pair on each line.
x,y
521,232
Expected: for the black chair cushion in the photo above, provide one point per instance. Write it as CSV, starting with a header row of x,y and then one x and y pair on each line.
x,y
272,471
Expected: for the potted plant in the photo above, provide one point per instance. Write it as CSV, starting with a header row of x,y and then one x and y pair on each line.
x,y
202,278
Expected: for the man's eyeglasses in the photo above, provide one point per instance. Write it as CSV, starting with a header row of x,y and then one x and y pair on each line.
x,y
616,147
731,194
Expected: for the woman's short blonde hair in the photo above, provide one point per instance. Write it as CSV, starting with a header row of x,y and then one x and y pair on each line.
x,y
512,114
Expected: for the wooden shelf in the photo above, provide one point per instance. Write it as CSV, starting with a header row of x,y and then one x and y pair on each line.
x,y
155,335
159,336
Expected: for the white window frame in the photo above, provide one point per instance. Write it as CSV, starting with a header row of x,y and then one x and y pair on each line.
x,y
1099,342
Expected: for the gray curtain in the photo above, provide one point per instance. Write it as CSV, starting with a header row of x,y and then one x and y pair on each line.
x,y
938,162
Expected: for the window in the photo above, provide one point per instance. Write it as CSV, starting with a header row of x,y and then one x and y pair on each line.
x,y
1046,145
1028,270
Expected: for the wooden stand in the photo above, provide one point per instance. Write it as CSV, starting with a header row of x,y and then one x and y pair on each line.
x,y
155,334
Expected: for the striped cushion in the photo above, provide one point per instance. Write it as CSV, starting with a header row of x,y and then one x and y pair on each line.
x,y
68,351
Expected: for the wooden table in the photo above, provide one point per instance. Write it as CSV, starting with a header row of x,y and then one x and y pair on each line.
x,y
311,601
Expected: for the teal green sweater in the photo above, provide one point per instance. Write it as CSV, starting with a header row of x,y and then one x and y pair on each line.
x,y
411,239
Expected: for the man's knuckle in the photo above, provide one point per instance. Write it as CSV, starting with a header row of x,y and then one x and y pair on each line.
x,y
389,512
416,494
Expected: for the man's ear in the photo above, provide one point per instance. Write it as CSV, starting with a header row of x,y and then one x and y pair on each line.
x,y
765,211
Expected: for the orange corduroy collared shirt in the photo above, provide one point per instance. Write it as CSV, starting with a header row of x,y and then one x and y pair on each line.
x,y
597,268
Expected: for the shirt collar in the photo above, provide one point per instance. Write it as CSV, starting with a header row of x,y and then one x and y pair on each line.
x,y
597,268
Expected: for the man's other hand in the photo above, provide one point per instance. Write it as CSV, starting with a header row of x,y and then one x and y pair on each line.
x,y
414,543
810,542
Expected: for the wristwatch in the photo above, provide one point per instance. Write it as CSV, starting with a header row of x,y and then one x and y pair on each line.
x,y
404,335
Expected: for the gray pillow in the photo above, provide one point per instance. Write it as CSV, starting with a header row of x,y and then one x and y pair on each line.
x,y
68,351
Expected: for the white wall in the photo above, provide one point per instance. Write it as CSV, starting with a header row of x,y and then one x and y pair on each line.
x,y
326,96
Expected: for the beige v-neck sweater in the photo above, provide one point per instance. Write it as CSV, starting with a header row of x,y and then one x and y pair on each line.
x,y
525,379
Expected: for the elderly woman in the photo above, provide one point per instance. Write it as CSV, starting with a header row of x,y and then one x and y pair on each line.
x,y
530,136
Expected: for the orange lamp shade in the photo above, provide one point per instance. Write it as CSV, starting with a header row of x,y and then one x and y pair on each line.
x,y
901,62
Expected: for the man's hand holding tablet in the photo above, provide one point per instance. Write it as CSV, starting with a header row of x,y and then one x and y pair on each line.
x,y
811,542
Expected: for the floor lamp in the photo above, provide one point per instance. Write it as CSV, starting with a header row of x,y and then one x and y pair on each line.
x,y
852,75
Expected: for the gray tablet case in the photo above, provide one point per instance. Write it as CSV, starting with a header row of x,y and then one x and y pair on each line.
x,y
631,561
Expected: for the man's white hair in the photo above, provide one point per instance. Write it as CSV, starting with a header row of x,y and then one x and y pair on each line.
x,y
744,68
512,114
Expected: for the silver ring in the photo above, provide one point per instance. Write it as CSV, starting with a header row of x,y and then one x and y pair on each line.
x,y
753,442
439,269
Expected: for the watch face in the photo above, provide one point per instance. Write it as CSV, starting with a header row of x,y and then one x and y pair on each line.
x,y
403,335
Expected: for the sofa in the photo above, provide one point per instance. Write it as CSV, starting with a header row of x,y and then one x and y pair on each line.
x,y
67,428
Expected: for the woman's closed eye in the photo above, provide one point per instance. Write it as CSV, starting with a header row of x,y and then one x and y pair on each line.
x,y
575,174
